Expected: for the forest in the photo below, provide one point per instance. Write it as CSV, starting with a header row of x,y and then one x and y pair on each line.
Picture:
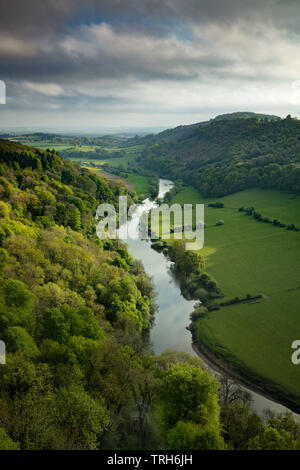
x,y
75,315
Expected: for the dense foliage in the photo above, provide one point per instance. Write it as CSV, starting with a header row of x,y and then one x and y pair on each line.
x,y
74,314
63,300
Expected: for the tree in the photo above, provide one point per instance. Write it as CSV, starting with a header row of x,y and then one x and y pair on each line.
x,y
17,294
3,256
18,340
239,424
192,262
144,387
191,436
76,220
272,439
16,303
190,408
190,394
67,177
82,418
230,392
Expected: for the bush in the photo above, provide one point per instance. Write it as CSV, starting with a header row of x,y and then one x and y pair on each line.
x,y
199,312
211,285
6,443
19,340
202,294
218,205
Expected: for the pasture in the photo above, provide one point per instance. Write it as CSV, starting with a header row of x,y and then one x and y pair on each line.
x,y
247,256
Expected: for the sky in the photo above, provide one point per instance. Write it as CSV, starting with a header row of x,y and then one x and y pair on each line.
x,y
94,65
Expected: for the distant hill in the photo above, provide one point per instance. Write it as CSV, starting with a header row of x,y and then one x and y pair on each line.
x,y
229,153
172,135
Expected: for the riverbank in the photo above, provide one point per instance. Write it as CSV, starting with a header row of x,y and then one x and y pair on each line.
x,y
221,360
218,366
249,258
173,309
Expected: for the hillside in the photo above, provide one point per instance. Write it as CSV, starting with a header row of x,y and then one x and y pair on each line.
x,y
186,131
75,314
72,308
229,154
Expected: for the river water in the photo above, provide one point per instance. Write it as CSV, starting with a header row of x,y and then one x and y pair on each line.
x,y
173,310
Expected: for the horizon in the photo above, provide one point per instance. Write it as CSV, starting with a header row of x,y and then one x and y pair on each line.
x,y
111,131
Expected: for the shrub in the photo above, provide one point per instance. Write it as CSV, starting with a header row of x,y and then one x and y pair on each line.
x,y
211,285
218,205
199,312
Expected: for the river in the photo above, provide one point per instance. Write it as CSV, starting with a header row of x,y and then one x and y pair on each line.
x,y
173,310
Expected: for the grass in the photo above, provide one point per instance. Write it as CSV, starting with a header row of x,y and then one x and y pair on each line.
x,y
140,183
247,256
130,153
45,145
115,162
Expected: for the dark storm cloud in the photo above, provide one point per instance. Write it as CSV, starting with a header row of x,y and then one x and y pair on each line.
x,y
29,18
53,49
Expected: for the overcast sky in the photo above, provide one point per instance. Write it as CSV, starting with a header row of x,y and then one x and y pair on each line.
x,y
133,63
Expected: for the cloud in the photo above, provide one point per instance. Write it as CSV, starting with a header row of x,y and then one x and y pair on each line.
x,y
148,56
51,16
48,89
237,51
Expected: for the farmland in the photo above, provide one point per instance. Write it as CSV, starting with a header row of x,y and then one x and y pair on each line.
x,y
115,162
140,184
86,155
137,183
247,256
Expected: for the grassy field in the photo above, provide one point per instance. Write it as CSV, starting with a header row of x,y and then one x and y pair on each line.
x,y
130,153
247,256
140,184
45,145
137,183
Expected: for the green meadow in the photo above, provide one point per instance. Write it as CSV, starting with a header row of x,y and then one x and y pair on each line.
x,y
115,162
140,183
130,153
44,145
246,256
